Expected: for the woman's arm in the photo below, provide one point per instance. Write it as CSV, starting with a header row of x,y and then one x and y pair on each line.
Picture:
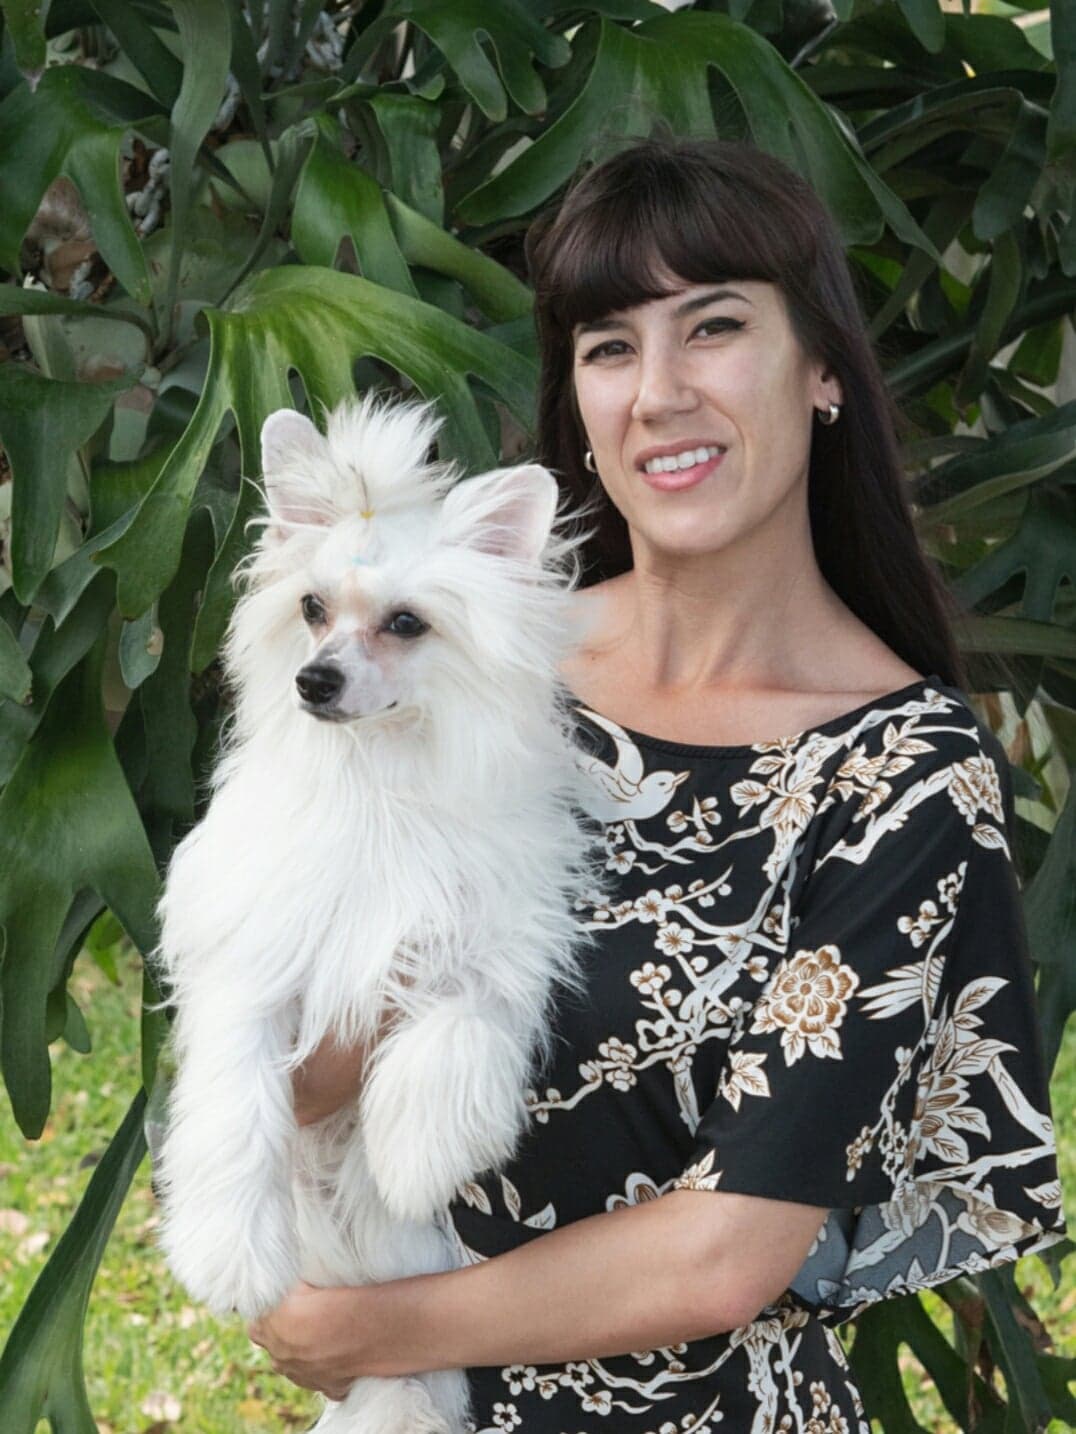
x,y
685,1266
334,1074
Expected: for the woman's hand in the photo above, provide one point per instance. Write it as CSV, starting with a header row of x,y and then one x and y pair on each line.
x,y
314,1337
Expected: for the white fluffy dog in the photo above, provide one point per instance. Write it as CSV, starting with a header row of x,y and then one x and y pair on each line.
x,y
393,826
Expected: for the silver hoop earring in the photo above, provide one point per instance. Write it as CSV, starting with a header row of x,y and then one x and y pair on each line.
x,y
588,462
834,414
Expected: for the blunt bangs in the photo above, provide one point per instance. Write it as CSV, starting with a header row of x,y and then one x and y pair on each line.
x,y
642,236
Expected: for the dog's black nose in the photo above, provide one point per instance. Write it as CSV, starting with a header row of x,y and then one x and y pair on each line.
x,y
319,683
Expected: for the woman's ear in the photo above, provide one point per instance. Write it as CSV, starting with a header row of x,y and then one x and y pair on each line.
x,y
292,452
508,511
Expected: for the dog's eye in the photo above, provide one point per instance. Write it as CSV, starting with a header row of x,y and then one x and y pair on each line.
x,y
313,609
406,624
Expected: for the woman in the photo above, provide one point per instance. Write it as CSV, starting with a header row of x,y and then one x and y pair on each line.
x,y
806,1075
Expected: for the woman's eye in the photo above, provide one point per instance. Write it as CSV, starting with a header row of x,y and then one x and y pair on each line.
x,y
406,624
719,325
610,349
313,608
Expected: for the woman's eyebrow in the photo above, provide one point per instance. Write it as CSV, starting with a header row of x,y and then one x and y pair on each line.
x,y
689,306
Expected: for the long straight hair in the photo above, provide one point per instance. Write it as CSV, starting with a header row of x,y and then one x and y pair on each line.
x,y
709,210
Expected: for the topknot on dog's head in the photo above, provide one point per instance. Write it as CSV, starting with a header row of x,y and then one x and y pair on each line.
x,y
374,457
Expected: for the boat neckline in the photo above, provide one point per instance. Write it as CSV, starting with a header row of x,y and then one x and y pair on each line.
x,y
695,749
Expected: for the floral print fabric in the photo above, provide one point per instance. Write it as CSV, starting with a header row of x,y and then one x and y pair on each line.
x,y
809,981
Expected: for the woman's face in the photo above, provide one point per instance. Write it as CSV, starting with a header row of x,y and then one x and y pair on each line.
x,y
707,367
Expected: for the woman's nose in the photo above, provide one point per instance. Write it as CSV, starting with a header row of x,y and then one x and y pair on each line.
x,y
663,389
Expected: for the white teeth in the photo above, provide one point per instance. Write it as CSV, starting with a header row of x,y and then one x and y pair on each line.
x,y
675,462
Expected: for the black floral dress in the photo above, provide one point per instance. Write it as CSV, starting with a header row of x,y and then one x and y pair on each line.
x,y
809,982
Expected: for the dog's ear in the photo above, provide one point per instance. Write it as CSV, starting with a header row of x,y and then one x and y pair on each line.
x,y
292,449
508,512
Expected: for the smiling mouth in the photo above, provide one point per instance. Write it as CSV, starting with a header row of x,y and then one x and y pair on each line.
x,y
676,479
680,462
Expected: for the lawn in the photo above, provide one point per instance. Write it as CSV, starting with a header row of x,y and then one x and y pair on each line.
x,y
157,1363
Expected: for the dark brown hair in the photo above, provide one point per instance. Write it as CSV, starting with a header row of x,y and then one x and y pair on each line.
x,y
710,210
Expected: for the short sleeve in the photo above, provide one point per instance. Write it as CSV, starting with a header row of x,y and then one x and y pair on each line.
x,y
890,1066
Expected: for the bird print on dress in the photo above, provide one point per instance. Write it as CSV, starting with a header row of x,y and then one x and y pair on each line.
x,y
626,790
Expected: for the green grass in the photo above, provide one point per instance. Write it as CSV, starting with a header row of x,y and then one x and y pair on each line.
x,y
156,1362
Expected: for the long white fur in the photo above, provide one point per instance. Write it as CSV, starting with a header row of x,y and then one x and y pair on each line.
x,y
427,856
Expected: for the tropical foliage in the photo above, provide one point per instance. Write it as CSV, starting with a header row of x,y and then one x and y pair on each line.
x,y
210,208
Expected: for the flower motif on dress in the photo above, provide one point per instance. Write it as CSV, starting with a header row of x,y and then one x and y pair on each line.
x,y
673,939
974,786
858,1150
950,887
987,1223
621,862
506,1416
918,928
650,979
651,907
805,1001
910,1207
519,1377
619,1055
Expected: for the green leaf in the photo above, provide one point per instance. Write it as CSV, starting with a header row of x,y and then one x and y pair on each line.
x,y
661,69
409,126
1008,188
247,71
74,123
926,21
1004,285
318,323
292,151
17,300
1013,1350
42,423
67,822
219,595
166,709
879,1334
337,199
513,31
1061,129
1043,548
140,43
205,49
1052,298
1015,635
1038,356
495,289
26,21
15,679
943,223
1050,908
41,1366
140,648
1013,459
55,652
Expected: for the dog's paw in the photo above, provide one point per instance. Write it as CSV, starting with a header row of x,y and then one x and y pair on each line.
x,y
425,1138
231,1266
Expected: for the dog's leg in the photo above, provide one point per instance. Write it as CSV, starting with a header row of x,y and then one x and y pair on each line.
x,y
228,1227
444,1102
